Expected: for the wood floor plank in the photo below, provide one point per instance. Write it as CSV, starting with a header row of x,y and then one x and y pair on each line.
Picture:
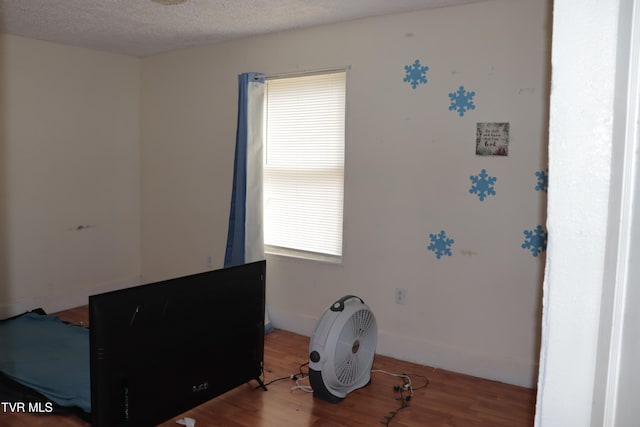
x,y
448,400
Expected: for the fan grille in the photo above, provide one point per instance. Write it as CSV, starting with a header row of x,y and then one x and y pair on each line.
x,y
355,347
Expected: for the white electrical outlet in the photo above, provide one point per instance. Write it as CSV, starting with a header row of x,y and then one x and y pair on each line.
x,y
401,295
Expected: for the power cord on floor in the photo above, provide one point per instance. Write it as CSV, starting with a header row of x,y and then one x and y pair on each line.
x,y
302,376
405,390
300,386
299,376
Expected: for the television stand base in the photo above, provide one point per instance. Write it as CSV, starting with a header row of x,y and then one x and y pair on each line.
x,y
261,384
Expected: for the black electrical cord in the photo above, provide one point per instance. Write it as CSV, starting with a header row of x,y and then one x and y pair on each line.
x,y
406,390
404,404
406,387
277,379
294,377
426,381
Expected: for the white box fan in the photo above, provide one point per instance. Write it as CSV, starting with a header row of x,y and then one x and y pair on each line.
x,y
342,348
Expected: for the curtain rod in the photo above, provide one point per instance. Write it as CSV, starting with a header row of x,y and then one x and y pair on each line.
x,y
302,73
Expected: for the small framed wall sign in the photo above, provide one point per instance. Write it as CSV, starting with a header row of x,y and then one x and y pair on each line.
x,y
492,139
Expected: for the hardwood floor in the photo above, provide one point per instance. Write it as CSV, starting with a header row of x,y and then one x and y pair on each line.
x,y
448,399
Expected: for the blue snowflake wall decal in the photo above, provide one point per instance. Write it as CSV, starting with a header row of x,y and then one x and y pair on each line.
x,y
416,74
440,244
482,185
535,240
543,180
461,101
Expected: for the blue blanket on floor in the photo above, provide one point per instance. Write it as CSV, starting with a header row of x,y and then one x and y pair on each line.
x,y
49,356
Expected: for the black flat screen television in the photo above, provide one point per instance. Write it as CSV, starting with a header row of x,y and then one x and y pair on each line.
x,y
159,349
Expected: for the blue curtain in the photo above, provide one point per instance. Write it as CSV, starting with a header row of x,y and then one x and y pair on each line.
x,y
245,237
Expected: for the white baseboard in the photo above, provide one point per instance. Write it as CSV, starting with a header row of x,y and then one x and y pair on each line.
x,y
292,322
426,353
516,372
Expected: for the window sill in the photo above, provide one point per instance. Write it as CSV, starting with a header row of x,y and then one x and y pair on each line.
x,y
305,255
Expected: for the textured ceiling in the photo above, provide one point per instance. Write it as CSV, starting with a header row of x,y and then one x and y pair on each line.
x,y
143,27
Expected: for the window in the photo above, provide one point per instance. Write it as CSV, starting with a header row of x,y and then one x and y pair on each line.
x,y
304,165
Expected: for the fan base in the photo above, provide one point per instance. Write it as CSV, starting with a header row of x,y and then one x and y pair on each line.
x,y
320,391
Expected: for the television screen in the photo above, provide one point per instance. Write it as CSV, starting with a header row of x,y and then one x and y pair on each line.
x,y
160,349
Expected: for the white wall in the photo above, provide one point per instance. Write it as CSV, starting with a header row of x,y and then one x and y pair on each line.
x,y
69,158
408,163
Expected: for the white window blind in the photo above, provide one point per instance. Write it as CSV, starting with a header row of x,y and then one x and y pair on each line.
x,y
304,164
